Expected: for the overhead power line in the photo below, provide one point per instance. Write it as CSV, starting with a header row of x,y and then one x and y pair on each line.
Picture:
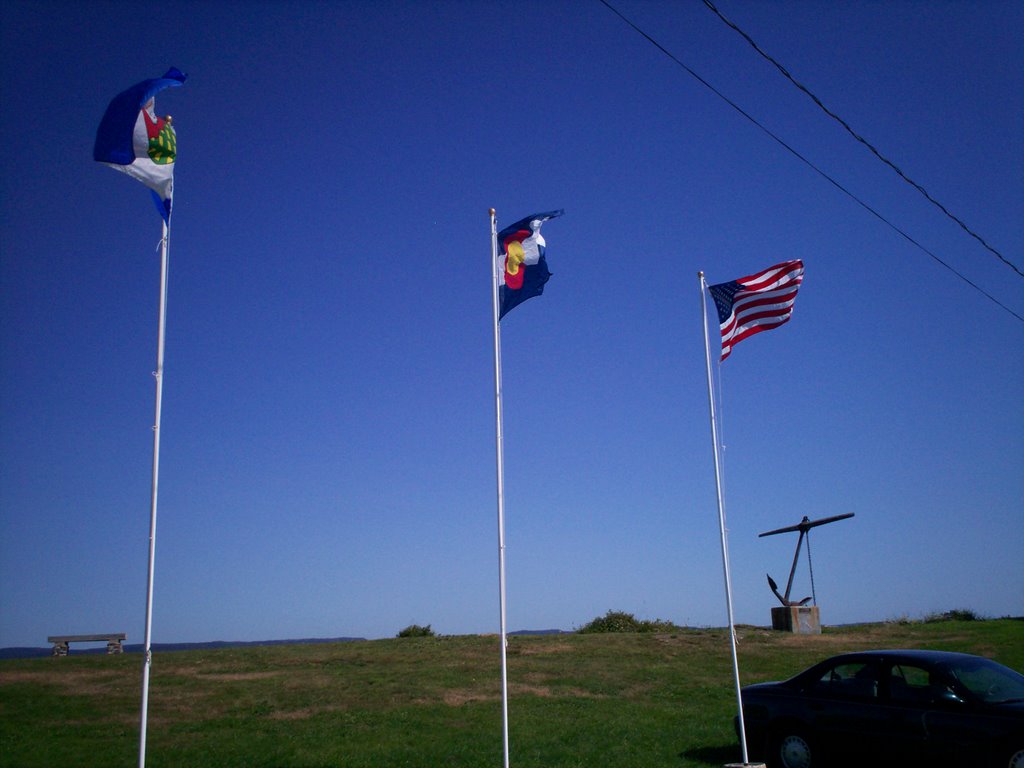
x,y
861,139
804,160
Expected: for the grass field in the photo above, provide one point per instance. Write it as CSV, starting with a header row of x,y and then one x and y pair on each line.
x,y
623,700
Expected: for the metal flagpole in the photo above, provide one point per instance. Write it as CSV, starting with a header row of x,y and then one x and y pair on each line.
x,y
721,521
499,440
159,375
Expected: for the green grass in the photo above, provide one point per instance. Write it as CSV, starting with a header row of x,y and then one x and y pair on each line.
x,y
590,700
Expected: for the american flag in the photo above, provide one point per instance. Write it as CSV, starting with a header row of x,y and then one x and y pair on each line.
x,y
756,303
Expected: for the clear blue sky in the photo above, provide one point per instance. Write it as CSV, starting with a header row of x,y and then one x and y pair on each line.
x,y
328,430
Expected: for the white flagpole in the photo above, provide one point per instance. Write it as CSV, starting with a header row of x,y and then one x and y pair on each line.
x,y
159,375
499,440
721,521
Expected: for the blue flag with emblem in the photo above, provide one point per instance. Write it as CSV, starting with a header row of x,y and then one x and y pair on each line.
x,y
522,264
133,139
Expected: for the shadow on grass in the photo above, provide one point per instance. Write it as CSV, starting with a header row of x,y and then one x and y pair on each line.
x,y
717,756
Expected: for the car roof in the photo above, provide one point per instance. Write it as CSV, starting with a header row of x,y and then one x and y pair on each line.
x,y
910,654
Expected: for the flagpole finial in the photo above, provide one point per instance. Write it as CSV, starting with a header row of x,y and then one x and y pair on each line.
x,y
492,212
700,274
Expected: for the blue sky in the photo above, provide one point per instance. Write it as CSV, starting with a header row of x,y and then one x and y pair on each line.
x,y
327,464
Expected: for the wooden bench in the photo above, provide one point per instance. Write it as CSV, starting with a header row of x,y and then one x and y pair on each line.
x,y
114,642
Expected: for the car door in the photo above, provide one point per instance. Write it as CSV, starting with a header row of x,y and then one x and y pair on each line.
x,y
907,697
963,734
842,706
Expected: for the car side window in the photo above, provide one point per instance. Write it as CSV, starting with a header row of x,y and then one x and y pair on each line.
x,y
909,683
852,680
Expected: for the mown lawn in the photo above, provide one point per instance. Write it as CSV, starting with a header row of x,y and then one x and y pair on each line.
x,y
623,700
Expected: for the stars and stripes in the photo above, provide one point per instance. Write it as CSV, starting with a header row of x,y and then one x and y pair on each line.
x,y
756,303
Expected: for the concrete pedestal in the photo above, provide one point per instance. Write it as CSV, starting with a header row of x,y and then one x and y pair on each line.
x,y
798,619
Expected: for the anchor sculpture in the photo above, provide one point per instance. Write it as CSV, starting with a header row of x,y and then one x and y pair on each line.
x,y
803,526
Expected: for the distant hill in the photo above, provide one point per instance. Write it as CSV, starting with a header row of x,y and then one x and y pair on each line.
x,y
34,653
540,632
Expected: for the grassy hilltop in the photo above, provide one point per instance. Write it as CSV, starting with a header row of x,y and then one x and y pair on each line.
x,y
623,700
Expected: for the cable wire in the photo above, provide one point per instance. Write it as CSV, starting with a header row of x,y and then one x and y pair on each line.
x,y
861,139
810,567
804,160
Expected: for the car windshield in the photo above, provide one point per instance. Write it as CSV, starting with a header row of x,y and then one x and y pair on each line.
x,y
987,681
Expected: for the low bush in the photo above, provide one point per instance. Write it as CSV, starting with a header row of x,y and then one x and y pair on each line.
x,y
620,621
960,614
415,630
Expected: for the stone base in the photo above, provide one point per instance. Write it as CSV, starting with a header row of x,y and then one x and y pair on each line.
x,y
798,619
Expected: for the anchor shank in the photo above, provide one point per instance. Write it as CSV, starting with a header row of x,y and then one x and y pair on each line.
x,y
792,571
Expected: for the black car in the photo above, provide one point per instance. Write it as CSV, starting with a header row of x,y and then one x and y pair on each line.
x,y
889,708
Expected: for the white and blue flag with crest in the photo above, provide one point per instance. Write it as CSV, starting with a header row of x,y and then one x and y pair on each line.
x,y
132,139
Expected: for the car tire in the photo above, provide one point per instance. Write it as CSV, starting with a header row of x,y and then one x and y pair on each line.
x,y
1016,759
793,748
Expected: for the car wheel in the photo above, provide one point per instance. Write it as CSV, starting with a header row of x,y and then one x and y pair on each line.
x,y
1016,759
793,749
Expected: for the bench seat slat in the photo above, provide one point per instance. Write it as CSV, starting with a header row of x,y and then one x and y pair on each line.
x,y
86,638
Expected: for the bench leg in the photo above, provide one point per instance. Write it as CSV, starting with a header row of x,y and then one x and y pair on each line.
x,y
114,646
59,649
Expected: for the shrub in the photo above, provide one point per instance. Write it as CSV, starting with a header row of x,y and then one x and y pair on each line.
x,y
415,630
620,621
959,614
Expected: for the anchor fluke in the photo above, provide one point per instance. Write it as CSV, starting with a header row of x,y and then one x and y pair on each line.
x,y
784,601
